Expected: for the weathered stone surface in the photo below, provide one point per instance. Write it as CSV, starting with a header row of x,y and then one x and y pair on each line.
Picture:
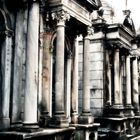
x,y
96,103
19,71
97,112
96,56
96,47
96,65
96,93
31,86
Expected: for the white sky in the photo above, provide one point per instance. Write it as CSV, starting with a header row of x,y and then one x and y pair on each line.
x,y
133,5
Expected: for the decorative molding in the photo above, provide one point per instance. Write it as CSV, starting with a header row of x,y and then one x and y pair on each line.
x,y
90,30
61,16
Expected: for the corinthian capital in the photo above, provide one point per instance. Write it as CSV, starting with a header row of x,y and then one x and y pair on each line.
x,y
60,16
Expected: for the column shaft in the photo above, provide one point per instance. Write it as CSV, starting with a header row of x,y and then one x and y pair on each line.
x,y
128,99
5,76
46,102
19,72
86,116
108,79
68,87
117,100
86,76
74,93
121,75
31,85
135,92
59,74
128,81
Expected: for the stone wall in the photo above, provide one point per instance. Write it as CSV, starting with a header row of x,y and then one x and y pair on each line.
x,y
96,77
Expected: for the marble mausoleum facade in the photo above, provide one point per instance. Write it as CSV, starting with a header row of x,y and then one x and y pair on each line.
x,y
67,72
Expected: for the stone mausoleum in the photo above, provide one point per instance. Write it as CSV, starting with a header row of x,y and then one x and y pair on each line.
x,y
68,71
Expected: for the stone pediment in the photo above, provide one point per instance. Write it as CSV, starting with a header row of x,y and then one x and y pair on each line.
x,y
80,10
120,35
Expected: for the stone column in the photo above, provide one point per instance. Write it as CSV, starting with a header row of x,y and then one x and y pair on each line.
x,y
59,119
108,80
117,108
41,98
5,76
117,93
18,71
128,82
86,116
74,92
135,92
121,75
68,86
128,99
31,83
46,80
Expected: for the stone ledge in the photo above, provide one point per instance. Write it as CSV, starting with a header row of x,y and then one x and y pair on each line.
x,y
85,125
43,132
136,117
113,119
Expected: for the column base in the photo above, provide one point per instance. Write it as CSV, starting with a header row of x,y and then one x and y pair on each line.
x,y
74,118
128,111
136,112
114,111
59,121
30,127
86,118
44,120
16,125
4,123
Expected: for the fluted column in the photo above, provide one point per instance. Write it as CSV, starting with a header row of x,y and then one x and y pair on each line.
x,y
59,119
86,116
5,76
31,83
135,91
74,92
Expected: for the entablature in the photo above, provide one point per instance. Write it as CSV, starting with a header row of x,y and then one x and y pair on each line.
x,y
75,8
118,34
